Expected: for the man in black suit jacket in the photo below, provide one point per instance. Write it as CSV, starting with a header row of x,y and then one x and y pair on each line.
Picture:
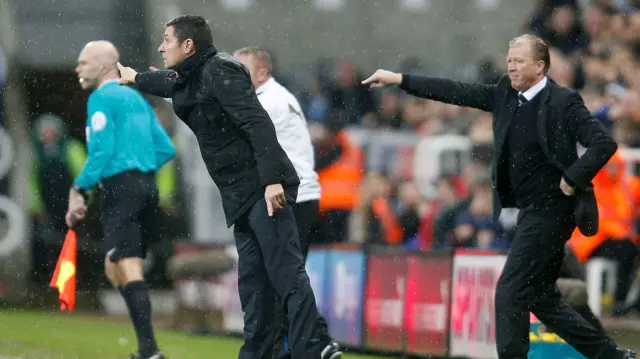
x,y
537,125
213,94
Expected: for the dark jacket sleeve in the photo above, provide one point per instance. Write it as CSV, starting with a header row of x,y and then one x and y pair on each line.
x,y
234,92
590,133
158,83
478,96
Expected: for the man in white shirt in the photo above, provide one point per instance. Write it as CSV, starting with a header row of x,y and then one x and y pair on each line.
x,y
293,136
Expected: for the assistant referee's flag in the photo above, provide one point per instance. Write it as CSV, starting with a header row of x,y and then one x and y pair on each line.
x,y
64,278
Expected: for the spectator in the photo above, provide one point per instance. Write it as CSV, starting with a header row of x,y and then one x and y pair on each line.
x,y
599,105
563,31
340,165
409,208
388,214
473,177
595,23
349,97
597,70
446,196
389,115
561,70
317,104
626,114
543,12
618,196
57,160
475,226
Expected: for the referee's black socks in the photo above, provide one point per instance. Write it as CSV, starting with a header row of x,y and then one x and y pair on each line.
x,y
136,295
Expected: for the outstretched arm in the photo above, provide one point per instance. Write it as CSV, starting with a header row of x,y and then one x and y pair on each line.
x,y
478,96
157,82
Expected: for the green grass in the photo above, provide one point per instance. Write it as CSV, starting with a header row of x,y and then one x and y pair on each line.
x,y
40,335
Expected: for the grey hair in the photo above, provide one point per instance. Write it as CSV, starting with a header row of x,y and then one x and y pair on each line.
x,y
539,47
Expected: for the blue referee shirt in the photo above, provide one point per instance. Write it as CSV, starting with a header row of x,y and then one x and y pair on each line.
x,y
123,134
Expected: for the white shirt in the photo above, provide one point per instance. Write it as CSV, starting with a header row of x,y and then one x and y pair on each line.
x,y
293,135
535,89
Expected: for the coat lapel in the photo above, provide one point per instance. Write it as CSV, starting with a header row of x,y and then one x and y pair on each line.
x,y
504,122
543,136
542,118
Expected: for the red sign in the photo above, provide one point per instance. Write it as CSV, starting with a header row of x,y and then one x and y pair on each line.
x,y
384,302
427,305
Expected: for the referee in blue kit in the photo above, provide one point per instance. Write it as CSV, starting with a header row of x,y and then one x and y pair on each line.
x,y
126,146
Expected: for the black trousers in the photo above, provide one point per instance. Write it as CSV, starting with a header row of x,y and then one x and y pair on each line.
x,y
624,253
528,283
270,263
332,227
307,214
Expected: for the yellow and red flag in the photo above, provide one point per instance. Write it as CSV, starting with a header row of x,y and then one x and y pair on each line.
x,y
64,277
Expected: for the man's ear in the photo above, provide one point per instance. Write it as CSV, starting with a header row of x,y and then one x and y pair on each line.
x,y
541,65
188,46
263,72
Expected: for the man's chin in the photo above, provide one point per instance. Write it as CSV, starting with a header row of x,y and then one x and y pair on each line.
x,y
516,85
87,87
172,65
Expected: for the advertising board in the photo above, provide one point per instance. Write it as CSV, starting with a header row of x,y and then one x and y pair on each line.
x,y
317,270
344,295
384,301
427,305
472,330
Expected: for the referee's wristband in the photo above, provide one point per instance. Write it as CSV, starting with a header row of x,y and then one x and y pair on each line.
x,y
80,190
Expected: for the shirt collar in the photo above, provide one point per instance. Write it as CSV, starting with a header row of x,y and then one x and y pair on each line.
x,y
535,89
265,86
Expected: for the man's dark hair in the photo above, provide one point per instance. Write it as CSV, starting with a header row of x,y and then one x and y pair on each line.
x,y
192,27
539,46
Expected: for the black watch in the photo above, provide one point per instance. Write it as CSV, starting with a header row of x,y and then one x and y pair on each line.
x,y
80,190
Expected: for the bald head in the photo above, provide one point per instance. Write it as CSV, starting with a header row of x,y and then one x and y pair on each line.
x,y
97,63
103,51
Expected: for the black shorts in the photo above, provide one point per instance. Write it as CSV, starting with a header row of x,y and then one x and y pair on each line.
x,y
129,214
